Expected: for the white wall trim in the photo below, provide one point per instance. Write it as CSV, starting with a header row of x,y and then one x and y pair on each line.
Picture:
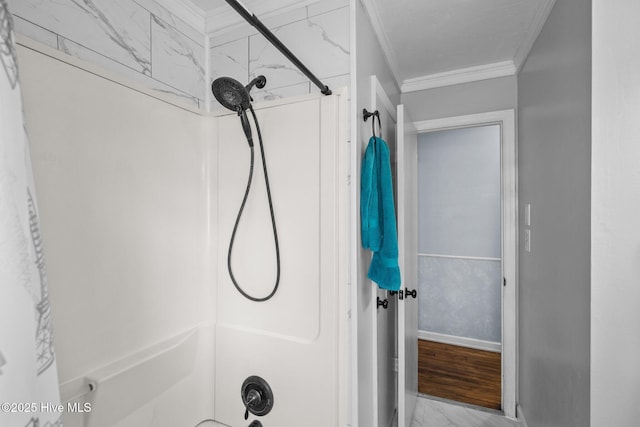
x,y
354,214
461,121
474,258
495,347
187,11
376,23
377,92
463,75
534,31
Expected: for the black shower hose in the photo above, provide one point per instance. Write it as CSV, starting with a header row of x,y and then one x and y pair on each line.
x,y
273,220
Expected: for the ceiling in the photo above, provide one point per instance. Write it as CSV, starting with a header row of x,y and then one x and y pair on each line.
x,y
431,43
434,40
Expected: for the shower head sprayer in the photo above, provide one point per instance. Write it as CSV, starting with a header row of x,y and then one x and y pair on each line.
x,y
231,94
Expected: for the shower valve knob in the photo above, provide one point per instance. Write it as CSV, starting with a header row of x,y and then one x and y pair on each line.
x,y
257,396
253,399
413,293
384,303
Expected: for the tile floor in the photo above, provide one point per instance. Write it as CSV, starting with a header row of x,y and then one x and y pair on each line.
x,y
437,413
432,412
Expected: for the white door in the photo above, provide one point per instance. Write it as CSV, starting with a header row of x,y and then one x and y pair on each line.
x,y
407,155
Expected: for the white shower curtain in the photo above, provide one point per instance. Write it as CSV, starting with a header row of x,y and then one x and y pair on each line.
x,y
29,394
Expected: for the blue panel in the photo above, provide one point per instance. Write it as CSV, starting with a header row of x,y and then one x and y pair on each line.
x,y
460,297
459,192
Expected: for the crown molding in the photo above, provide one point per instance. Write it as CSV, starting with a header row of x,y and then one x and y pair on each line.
x,y
187,11
532,34
463,75
378,28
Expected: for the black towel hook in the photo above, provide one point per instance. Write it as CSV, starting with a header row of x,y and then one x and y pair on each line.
x,y
376,113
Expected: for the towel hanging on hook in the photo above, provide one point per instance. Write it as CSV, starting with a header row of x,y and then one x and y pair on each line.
x,y
377,211
376,113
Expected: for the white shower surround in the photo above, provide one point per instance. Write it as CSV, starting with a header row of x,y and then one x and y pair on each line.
x,y
294,341
130,204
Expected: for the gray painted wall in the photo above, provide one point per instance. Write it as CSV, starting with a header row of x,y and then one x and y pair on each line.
x,y
615,201
459,215
554,150
458,100
459,192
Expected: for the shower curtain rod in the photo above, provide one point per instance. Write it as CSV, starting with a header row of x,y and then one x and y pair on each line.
x,y
253,20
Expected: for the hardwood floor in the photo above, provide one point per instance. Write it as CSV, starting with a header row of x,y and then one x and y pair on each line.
x,y
460,373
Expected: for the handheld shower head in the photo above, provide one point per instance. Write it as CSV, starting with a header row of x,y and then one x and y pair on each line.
x,y
231,94
234,96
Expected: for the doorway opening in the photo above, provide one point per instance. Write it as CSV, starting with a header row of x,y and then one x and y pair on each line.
x,y
467,259
460,265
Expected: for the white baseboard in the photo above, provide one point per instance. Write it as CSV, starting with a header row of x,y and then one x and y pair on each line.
x,y
496,347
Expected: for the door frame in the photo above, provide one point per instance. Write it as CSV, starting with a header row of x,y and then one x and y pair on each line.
x,y
509,222
407,308
377,92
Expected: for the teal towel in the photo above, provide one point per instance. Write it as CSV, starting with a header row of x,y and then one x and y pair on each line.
x,y
377,215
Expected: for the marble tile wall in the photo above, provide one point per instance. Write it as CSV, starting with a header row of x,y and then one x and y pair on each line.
x,y
136,38
317,34
144,42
